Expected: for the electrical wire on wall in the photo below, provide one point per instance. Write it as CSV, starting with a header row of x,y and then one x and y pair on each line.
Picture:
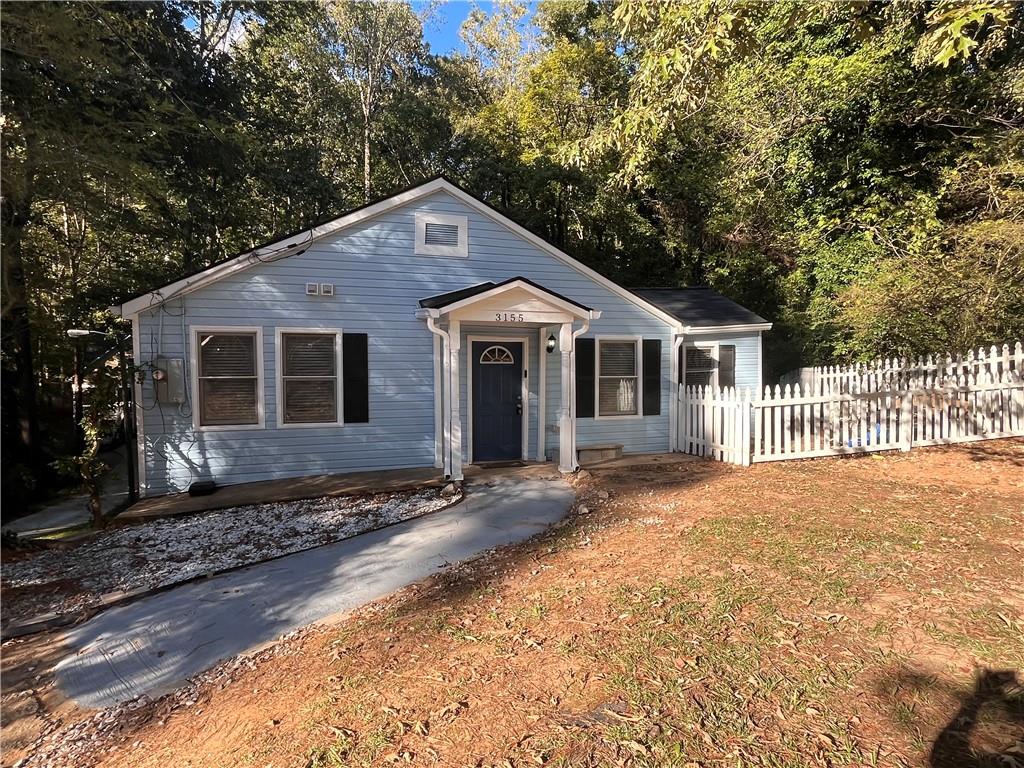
x,y
185,409
161,444
286,250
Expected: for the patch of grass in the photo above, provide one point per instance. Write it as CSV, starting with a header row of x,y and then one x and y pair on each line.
x,y
332,756
63,533
702,679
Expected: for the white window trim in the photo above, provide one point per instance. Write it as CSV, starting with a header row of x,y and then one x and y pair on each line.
x,y
713,346
638,342
193,337
457,251
525,389
279,378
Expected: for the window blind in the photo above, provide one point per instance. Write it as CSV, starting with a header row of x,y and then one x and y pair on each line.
x,y
228,384
617,378
309,376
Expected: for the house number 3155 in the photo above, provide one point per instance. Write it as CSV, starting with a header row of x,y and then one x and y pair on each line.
x,y
509,317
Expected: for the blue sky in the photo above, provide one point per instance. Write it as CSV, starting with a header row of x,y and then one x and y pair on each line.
x,y
443,31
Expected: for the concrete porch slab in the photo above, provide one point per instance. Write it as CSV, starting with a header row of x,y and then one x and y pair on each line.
x,y
384,481
295,488
286,489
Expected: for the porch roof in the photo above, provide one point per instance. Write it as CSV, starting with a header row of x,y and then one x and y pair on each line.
x,y
442,300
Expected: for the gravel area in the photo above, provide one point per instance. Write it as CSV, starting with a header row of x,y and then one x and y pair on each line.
x,y
84,742
173,550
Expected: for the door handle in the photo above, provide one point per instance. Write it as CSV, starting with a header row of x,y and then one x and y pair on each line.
x,y
519,405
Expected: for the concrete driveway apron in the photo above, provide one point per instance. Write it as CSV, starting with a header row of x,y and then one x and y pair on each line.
x,y
152,645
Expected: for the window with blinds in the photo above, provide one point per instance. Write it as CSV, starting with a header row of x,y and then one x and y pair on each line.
x,y
309,378
617,379
228,379
711,366
700,366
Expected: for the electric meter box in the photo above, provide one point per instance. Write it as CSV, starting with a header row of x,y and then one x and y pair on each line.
x,y
169,379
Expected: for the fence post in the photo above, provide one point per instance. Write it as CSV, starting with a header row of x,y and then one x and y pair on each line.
x,y
907,420
746,414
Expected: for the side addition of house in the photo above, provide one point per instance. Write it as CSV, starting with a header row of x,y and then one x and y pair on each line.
x,y
426,329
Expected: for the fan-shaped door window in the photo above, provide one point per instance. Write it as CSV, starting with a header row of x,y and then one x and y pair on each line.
x,y
497,356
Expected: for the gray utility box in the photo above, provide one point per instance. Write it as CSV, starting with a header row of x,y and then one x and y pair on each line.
x,y
169,379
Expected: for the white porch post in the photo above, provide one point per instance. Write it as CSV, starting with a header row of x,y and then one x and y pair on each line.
x,y
455,332
542,385
440,425
446,417
566,423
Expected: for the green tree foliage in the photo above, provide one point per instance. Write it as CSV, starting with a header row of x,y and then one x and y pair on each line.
x,y
867,192
851,170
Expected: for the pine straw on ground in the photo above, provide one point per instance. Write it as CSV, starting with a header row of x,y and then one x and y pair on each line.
x,y
825,612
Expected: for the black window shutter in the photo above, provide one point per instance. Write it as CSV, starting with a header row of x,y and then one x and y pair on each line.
x,y
652,377
727,365
355,378
584,378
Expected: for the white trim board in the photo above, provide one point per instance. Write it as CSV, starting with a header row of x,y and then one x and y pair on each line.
x,y
291,245
422,248
525,383
279,376
542,386
710,329
541,295
261,406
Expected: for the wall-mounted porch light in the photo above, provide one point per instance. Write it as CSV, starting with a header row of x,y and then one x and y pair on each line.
x,y
551,343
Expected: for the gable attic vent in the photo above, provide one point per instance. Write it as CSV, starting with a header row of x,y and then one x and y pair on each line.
x,y
441,234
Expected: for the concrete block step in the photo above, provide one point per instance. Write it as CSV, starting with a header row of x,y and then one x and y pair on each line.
x,y
589,454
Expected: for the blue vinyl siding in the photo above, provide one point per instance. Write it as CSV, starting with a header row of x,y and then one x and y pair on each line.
x,y
748,374
378,281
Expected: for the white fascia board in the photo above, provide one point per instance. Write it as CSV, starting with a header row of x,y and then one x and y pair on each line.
x,y
712,329
569,307
277,249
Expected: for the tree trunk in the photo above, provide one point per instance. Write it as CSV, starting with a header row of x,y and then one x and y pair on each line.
x,y
77,407
366,159
96,507
18,331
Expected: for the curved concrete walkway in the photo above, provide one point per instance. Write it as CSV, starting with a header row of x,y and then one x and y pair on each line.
x,y
152,645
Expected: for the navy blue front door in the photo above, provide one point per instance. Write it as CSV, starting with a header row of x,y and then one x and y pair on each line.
x,y
497,400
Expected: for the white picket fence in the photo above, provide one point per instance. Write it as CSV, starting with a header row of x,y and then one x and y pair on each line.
x,y
827,420
905,373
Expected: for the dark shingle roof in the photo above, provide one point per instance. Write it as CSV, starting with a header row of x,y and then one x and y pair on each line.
x,y
699,307
444,299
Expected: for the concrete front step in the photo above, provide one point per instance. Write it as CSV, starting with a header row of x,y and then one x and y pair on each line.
x,y
590,454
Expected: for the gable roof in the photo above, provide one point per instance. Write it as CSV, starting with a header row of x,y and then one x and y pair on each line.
x,y
298,242
702,308
445,299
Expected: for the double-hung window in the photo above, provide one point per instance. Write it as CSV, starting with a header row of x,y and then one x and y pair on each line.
x,y
310,377
618,378
228,378
709,365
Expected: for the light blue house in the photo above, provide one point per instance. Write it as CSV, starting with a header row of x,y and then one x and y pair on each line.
x,y
423,330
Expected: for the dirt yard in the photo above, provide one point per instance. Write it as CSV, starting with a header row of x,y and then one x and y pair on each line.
x,y
863,611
